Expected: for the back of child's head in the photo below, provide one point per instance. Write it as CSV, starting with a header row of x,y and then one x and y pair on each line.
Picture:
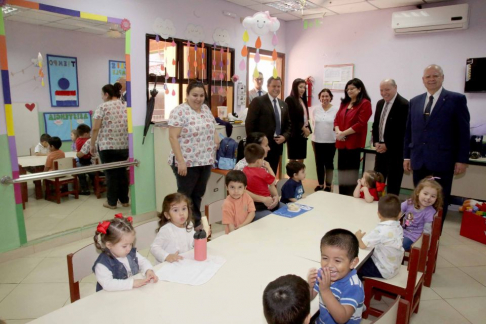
x,y
286,300
294,167
112,231
389,206
254,137
373,178
254,152
235,176
170,200
431,183
83,129
45,138
342,239
55,142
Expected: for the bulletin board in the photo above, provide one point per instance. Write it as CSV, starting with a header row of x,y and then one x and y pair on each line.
x,y
116,70
336,76
61,124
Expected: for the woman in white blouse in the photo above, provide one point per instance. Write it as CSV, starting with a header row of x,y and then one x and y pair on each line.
x,y
324,139
194,143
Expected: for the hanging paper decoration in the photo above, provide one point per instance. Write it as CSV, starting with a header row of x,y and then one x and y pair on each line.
x,y
125,24
194,34
41,72
165,28
260,23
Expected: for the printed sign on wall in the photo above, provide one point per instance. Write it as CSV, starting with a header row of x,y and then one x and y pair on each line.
x,y
117,69
63,80
61,124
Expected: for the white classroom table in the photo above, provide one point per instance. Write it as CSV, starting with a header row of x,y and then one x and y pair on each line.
x,y
32,161
255,255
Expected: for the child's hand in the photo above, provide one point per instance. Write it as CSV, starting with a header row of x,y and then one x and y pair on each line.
x,y
360,234
140,282
312,277
266,165
268,202
150,275
173,257
325,282
364,189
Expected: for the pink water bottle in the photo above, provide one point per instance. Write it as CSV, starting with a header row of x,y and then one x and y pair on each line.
x,y
200,246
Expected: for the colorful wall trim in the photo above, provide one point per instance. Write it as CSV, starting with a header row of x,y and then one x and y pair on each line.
x,y
8,101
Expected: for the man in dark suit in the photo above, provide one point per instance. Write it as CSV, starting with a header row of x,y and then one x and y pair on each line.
x,y
437,135
388,133
269,115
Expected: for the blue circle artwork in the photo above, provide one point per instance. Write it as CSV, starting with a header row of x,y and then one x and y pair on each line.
x,y
63,83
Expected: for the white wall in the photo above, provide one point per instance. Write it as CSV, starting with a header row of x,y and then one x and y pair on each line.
x,y
93,52
367,40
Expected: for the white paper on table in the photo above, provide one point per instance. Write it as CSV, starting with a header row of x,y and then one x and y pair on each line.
x,y
191,272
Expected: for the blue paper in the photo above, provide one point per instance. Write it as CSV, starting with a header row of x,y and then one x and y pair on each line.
x,y
284,211
117,70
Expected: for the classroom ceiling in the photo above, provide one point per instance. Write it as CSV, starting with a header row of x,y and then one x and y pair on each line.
x,y
54,20
319,8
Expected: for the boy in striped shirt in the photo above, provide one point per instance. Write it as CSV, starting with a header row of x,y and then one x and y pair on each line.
x,y
340,290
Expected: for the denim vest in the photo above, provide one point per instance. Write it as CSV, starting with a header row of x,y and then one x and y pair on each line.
x,y
116,267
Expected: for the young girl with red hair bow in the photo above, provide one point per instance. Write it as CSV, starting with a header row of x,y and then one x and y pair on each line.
x,y
119,260
370,187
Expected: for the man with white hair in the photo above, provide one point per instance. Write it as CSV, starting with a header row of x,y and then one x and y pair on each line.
x,y
437,136
388,132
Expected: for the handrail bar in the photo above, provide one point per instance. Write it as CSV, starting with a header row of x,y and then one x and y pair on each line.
x,y
6,180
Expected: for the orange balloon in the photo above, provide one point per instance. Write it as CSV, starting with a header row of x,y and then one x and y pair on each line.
x,y
258,43
195,63
244,51
274,55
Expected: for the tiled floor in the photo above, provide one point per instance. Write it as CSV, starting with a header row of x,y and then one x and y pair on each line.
x,y
33,286
43,218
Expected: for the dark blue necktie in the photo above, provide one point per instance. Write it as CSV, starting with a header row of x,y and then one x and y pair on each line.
x,y
277,117
428,108
259,93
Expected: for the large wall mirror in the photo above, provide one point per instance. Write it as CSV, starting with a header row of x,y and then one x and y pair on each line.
x,y
80,53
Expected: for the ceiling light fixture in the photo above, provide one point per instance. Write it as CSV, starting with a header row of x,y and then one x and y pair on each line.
x,y
292,5
9,10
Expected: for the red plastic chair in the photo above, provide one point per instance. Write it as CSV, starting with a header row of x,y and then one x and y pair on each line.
x,y
397,313
407,283
433,252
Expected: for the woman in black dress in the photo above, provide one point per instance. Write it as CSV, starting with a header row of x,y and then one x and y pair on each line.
x,y
299,119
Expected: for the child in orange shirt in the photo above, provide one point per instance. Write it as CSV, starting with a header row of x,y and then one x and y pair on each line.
x,y
238,207
55,153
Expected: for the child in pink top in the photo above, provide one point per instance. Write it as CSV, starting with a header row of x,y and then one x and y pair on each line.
x,y
238,207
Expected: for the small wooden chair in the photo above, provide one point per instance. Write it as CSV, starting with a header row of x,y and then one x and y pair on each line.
x,y
99,182
57,183
407,283
280,184
214,212
397,313
80,264
433,252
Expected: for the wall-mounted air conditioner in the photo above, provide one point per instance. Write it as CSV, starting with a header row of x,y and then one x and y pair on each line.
x,y
431,20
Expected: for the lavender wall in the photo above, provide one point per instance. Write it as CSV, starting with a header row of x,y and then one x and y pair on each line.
x,y
93,52
368,41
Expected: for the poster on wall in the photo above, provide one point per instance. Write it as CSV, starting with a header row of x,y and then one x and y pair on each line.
x,y
61,124
117,69
336,76
63,80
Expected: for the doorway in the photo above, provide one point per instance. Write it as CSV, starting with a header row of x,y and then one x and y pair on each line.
x,y
265,66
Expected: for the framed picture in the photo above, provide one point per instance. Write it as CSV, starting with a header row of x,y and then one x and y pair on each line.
x,y
116,70
61,124
63,80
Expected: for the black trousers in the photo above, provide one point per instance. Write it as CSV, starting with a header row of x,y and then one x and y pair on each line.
x,y
324,154
273,156
390,165
348,170
116,179
193,185
445,181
